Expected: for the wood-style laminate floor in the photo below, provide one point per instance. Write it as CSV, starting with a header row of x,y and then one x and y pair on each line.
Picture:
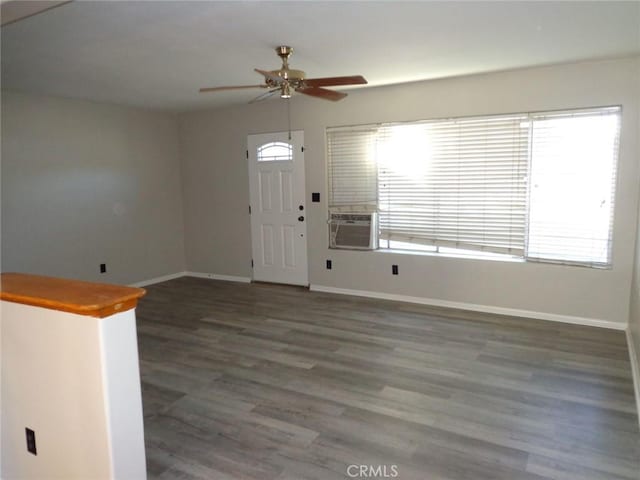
x,y
273,382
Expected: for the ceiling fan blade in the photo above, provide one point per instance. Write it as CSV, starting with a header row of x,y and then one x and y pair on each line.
x,y
271,76
322,93
238,87
334,81
264,96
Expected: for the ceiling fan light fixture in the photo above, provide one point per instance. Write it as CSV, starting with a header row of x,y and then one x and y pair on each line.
x,y
286,91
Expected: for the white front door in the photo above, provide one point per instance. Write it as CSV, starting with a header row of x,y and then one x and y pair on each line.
x,y
278,210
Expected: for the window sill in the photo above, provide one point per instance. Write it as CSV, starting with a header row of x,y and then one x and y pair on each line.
x,y
506,258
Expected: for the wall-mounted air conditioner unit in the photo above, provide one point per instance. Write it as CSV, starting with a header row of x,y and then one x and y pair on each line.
x,y
357,231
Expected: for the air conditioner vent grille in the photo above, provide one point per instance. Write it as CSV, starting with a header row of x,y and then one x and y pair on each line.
x,y
353,231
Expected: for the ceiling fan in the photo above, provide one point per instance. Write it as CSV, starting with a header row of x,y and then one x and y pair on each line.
x,y
286,80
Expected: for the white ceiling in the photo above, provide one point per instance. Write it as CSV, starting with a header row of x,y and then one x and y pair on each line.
x,y
159,53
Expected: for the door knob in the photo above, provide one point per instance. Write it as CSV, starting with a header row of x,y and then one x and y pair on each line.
x,y
301,218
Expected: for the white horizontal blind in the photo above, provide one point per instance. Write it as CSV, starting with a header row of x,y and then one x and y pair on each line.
x,y
352,166
459,183
573,175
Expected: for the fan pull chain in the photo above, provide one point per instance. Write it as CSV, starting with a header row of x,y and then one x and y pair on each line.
x,y
289,116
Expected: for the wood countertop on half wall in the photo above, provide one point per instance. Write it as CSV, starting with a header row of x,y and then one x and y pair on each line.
x,y
73,296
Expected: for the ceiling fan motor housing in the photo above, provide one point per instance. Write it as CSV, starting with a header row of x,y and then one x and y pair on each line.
x,y
292,76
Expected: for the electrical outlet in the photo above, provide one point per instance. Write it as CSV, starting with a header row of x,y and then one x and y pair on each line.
x,y
328,264
394,269
31,441
103,268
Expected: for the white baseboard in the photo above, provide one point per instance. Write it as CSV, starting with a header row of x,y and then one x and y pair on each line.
x,y
635,370
592,322
163,278
215,276
172,276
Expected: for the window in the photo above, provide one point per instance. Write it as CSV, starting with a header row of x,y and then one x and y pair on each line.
x,y
538,186
573,174
275,151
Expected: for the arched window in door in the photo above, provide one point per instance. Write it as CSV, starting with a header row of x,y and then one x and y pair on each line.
x,y
275,151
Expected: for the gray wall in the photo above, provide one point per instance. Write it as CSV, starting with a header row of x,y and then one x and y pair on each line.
x,y
634,313
86,183
215,185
